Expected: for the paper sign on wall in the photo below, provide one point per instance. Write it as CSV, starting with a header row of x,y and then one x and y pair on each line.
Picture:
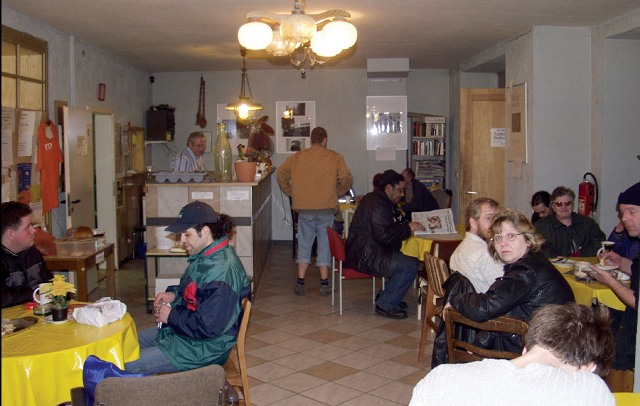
x,y
498,137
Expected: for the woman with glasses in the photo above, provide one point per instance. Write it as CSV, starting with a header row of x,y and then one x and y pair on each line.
x,y
568,234
530,281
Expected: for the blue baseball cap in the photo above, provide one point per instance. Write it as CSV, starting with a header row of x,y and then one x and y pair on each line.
x,y
193,214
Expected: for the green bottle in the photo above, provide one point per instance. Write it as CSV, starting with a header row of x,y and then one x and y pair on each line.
x,y
222,156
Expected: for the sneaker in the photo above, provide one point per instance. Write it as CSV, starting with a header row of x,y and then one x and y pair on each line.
x,y
299,290
396,313
325,290
402,305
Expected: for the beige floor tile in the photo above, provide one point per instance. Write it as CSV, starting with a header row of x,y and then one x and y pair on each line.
x,y
363,381
330,371
269,371
268,394
299,361
358,360
326,336
354,343
391,370
271,352
395,391
332,393
369,400
328,352
299,382
384,350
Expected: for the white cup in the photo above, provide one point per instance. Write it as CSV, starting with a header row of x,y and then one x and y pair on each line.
x,y
40,299
606,246
582,266
622,277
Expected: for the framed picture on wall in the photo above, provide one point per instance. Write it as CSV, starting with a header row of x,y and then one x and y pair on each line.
x,y
294,122
386,122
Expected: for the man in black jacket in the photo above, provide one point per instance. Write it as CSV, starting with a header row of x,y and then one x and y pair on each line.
x,y
23,268
373,246
416,197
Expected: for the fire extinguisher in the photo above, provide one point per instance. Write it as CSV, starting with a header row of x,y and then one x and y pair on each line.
x,y
587,195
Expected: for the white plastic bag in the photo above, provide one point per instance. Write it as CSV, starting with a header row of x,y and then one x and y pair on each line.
x,y
100,313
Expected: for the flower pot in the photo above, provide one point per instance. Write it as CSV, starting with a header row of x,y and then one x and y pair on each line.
x,y
245,171
59,314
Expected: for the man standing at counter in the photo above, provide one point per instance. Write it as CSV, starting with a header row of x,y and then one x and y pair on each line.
x,y
314,178
190,158
374,242
23,268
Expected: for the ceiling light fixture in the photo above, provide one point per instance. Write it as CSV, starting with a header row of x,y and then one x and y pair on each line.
x,y
244,107
306,38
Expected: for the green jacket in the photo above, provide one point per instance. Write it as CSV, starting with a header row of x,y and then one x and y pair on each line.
x,y
205,317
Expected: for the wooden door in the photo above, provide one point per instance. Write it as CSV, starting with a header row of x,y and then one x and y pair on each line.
x,y
79,168
481,165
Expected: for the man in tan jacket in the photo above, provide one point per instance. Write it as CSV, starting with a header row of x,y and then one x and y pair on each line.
x,y
314,178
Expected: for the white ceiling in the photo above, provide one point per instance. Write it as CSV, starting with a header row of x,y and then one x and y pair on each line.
x,y
200,35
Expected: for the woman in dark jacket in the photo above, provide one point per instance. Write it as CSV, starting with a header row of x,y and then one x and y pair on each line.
x,y
530,281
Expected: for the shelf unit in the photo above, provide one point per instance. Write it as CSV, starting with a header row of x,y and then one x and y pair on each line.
x,y
426,154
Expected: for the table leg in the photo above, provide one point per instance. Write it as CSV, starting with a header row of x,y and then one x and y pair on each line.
x,y
82,284
146,284
111,277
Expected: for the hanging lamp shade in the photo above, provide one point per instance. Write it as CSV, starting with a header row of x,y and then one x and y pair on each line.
x,y
280,46
298,27
244,106
341,33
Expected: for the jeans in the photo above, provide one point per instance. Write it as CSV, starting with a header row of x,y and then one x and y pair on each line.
x,y
152,360
403,273
312,226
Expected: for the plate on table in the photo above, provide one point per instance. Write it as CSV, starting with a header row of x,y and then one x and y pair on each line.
x,y
608,268
11,327
562,260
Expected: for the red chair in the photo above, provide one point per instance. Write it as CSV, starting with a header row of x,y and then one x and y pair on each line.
x,y
336,245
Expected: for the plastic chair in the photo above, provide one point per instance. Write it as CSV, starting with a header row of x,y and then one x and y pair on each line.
x,y
462,351
336,245
202,386
437,272
240,379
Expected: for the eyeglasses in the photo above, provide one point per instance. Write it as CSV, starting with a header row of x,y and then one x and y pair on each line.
x,y
509,237
565,204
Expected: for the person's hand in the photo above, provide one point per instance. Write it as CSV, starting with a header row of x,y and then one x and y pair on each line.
x,y
162,313
415,226
448,305
164,297
604,277
610,258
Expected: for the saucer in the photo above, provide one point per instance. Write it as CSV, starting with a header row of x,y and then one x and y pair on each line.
x,y
606,267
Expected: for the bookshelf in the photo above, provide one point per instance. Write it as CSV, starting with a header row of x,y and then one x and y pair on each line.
x,y
427,148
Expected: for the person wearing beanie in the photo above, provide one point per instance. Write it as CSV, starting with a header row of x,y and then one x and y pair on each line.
x,y
624,360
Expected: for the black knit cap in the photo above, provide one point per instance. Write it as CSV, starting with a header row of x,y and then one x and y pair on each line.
x,y
630,196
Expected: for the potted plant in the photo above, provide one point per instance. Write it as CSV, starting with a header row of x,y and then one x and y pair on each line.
x,y
58,291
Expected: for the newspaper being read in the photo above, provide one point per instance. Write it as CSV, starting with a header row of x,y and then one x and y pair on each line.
x,y
435,222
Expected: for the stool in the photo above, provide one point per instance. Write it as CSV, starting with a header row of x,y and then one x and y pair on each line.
x,y
139,246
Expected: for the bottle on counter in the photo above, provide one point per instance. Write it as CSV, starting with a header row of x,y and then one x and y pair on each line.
x,y
222,156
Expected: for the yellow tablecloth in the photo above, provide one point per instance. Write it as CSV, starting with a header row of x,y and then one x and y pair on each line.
x,y
586,292
41,364
416,247
627,398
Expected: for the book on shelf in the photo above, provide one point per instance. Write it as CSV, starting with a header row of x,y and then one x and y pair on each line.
x,y
436,223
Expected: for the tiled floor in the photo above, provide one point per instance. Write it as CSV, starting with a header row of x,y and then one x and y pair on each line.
x,y
302,352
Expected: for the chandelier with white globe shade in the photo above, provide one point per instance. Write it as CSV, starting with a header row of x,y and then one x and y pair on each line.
x,y
304,37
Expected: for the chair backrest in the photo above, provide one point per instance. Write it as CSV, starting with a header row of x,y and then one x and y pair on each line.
x,y
199,386
443,197
462,351
336,245
444,249
437,272
238,355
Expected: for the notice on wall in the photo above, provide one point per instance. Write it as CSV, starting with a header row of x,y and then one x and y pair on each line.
x,y
24,183
26,130
8,127
498,137
385,154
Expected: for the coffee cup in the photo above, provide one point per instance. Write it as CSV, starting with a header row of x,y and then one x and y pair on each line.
x,y
606,246
583,266
41,299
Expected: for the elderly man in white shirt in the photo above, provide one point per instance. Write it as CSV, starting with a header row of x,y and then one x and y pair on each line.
x,y
190,158
471,258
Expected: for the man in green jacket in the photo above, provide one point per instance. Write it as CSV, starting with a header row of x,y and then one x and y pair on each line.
x,y
199,318
314,178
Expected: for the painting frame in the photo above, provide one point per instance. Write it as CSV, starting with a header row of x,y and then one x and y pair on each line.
x,y
386,122
294,122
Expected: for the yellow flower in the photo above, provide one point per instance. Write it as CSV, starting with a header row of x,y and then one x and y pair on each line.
x,y
57,291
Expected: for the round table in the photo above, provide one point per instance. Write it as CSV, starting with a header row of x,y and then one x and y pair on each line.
x,y
42,363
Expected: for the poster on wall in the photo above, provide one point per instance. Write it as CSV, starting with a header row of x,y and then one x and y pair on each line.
x,y
294,122
516,102
386,122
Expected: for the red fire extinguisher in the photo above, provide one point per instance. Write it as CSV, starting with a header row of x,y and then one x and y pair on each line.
x,y
587,195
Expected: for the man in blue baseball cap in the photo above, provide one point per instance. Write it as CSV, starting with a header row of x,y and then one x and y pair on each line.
x,y
199,318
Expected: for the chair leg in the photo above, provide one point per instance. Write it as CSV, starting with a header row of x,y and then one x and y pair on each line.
x,y
373,290
340,293
429,312
333,281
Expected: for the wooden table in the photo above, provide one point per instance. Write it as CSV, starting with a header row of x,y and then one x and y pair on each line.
x,y
591,293
80,265
42,363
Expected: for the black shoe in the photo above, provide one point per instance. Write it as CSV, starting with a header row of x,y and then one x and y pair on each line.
x,y
401,305
396,313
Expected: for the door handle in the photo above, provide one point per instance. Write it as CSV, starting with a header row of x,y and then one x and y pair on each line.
x,y
468,192
76,201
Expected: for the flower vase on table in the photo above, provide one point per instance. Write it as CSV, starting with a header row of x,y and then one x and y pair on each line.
x,y
59,314
58,291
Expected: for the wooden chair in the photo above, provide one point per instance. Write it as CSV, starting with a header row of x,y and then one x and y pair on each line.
x,y
237,376
200,386
444,249
443,197
338,253
436,273
462,351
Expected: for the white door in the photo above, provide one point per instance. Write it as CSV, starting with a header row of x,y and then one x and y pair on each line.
x,y
79,168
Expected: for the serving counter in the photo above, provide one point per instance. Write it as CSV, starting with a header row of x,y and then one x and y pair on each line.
x,y
249,204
